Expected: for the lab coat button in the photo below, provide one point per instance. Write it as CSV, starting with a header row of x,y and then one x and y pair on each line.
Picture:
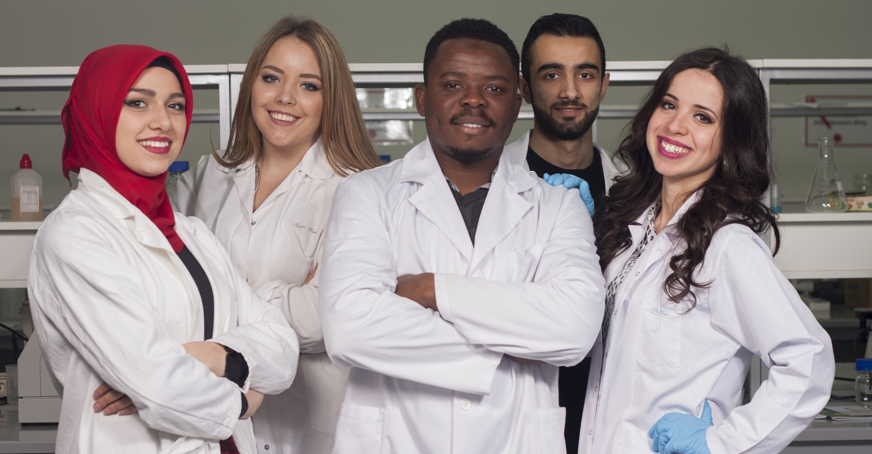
x,y
465,404
637,273
253,222
266,447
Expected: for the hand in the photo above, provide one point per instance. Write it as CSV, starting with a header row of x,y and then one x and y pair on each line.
x,y
110,401
419,288
211,354
311,275
681,433
571,181
255,399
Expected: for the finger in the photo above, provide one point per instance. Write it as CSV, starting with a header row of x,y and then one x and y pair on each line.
x,y
118,405
546,177
107,399
557,179
707,413
102,389
571,181
583,186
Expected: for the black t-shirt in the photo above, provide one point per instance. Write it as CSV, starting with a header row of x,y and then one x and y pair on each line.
x,y
572,382
593,174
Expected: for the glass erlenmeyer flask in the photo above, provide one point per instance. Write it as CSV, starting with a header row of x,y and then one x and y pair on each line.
x,y
826,194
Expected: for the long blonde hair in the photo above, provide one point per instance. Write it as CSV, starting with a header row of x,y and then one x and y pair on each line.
x,y
343,134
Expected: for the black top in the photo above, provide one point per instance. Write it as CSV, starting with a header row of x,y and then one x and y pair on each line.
x,y
470,207
572,381
593,174
235,368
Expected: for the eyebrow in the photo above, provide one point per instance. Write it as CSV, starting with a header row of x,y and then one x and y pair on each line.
x,y
461,74
152,93
304,76
553,65
145,91
698,106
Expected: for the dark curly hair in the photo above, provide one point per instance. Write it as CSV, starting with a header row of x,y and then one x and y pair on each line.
x,y
731,196
479,29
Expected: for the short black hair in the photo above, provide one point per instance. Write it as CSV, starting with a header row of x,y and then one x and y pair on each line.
x,y
479,29
559,24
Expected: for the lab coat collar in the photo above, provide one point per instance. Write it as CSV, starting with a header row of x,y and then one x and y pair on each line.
x,y
502,210
120,209
313,165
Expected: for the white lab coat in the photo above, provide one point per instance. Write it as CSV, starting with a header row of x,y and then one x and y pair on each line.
x,y
517,153
112,302
274,249
441,382
664,357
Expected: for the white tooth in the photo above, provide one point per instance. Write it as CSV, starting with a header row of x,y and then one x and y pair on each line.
x,y
470,125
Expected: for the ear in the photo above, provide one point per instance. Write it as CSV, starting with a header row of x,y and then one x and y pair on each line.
x,y
518,103
604,87
420,95
525,90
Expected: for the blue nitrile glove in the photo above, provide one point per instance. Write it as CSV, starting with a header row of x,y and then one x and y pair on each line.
x,y
571,181
681,433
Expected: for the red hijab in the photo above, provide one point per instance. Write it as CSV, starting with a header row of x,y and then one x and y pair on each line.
x,y
90,119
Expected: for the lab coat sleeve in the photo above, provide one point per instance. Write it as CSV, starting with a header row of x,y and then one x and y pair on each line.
x,y
369,326
90,293
299,304
754,304
556,317
184,200
262,336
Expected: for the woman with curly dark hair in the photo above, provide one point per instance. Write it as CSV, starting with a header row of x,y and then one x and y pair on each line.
x,y
693,293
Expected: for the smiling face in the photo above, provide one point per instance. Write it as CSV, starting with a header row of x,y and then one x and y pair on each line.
x,y
470,101
286,100
152,123
684,132
566,85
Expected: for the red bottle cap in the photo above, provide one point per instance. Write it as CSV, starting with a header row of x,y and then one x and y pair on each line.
x,y
25,162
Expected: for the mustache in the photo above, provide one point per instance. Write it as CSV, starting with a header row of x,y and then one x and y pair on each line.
x,y
468,113
572,103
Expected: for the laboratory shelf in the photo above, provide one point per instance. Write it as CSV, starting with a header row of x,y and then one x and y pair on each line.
x,y
16,242
825,245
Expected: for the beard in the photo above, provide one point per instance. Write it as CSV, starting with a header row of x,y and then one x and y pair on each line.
x,y
564,129
467,155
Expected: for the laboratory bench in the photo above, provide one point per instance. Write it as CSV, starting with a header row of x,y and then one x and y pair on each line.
x,y
30,438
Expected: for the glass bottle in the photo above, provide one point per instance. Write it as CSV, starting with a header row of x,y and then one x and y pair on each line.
x,y
863,385
826,194
175,172
26,191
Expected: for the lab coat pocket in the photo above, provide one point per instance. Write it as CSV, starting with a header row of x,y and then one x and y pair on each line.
x,y
549,430
659,338
360,429
523,265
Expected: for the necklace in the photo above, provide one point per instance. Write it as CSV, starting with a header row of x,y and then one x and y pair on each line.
x,y
256,176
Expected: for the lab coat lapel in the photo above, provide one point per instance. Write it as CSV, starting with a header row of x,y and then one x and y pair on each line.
x,y
503,208
434,199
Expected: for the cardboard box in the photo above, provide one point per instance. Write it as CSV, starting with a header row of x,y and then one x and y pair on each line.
x,y
863,203
858,292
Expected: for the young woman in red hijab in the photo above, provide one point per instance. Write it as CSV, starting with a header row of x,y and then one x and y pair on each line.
x,y
138,304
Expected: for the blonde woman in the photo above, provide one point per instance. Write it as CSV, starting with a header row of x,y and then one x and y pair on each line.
x,y
296,132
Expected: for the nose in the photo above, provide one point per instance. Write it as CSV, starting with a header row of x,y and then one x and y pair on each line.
x,y
677,124
473,98
569,89
160,121
286,95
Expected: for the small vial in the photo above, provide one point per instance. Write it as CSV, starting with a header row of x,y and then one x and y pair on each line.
x,y
175,172
863,385
775,198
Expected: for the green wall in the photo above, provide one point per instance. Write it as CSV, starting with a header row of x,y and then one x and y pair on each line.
x,y
62,33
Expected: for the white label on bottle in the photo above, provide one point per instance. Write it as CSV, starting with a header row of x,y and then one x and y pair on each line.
x,y
29,199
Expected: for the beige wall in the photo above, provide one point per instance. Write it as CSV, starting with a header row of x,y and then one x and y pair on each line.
x,y
62,33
